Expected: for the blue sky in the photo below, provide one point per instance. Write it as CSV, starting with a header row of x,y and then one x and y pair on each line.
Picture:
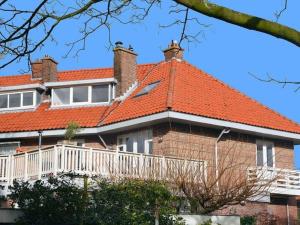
x,y
228,52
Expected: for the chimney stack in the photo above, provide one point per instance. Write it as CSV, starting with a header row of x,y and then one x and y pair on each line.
x,y
125,67
45,69
174,51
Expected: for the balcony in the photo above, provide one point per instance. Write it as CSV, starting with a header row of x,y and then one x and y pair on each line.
x,y
59,159
284,181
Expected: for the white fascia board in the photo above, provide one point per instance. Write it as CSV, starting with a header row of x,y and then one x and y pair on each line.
x,y
80,82
94,130
22,87
142,121
236,126
165,116
45,133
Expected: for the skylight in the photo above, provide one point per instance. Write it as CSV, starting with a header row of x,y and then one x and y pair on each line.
x,y
147,89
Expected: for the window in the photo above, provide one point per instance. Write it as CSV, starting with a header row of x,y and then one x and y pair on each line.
x,y
265,154
9,148
82,95
147,89
17,100
3,101
14,100
61,96
100,93
137,142
28,99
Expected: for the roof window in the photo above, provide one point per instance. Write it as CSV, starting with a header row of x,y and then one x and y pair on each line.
x,y
147,89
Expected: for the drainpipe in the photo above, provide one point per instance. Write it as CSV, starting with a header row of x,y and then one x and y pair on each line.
x,y
224,131
288,212
103,142
40,138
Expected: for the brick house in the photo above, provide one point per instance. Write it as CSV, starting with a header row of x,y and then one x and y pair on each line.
x,y
170,110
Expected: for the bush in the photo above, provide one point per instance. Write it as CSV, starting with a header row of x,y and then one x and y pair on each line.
x,y
60,201
248,220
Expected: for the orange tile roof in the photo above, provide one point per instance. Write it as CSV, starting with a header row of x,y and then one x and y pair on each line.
x,y
44,118
17,80
182,88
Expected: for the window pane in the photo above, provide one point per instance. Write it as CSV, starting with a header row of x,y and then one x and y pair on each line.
x,y
27,98
81,94
3,101
100,93
8,148
147,89
129,144
270,155
15,100
61,96
141,143
260,155
38,98
150,145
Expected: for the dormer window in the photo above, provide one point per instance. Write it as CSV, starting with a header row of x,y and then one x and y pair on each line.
x,y
18,100
82,95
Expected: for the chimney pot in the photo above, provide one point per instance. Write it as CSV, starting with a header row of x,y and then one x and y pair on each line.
x,y
174,51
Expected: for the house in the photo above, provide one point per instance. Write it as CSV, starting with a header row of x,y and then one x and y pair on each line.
x,y
168,110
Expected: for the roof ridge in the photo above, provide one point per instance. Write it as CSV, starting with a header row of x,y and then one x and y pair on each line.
x,y
243,94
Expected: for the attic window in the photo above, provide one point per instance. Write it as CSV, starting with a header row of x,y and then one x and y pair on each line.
x,y
18,100
147,89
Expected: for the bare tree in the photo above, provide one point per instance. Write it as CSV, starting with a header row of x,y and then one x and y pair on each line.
x,y
25,30
237,181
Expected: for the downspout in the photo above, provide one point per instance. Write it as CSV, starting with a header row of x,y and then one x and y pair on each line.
x,y
288,212
224,131
103,142
40,138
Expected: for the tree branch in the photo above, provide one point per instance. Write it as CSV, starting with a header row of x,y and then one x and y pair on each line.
x,y
243,20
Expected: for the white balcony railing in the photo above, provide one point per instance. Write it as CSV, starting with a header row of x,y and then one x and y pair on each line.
x,y
284,181
59,159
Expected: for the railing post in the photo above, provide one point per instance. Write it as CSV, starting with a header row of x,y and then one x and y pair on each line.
x,y
8,173
55,164
90,162
25,166
12,169
40,165
116,164
63,158
141,166
163,169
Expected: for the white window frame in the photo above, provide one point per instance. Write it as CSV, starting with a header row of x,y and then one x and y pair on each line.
x,y
21,107
265,157
11,142
89,102
134,135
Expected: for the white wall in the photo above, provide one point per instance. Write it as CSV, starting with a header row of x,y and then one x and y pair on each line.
x,y
199,219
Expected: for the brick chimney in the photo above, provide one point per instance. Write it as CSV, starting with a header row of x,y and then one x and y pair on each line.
x,y
45,69
125,67
174,51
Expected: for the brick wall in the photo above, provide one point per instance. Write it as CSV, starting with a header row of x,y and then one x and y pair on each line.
x,y
174,139
274,213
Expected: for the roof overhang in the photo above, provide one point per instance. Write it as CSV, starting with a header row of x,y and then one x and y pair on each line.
x,y
80,82
23,87
167,116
